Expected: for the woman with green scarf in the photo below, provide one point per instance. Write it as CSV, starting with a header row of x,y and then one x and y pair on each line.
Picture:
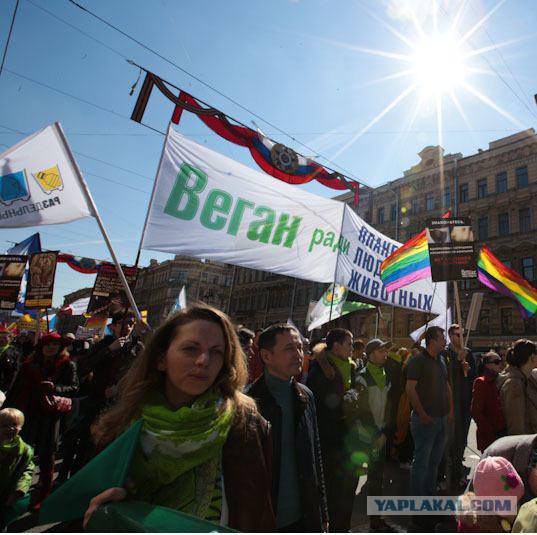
x,y
203,447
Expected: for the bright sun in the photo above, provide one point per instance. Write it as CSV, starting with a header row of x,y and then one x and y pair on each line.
x,y
438,64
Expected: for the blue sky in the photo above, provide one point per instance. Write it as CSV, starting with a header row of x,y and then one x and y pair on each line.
x,y
299,64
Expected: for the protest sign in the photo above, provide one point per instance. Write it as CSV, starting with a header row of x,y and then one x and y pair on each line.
x,y
26,323
359,269
108,294
40,285
451,249
84,333
206,205
11,273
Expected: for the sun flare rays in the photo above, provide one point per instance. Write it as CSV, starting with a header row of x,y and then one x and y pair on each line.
x,y
439,63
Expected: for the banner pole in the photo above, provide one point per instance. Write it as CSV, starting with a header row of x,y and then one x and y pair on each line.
x,y
152,196
97,217
37,326
337,262
459,317
293,293
232,287
48,324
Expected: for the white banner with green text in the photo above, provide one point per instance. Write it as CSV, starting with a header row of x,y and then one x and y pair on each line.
x,y
206,205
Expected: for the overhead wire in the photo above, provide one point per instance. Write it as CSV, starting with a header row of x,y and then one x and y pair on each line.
x,y
125,169
8,41
215,90
491,66
496,49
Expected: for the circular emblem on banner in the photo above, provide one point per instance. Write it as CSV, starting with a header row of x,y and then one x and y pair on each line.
x,y
336,296
284,158
87,263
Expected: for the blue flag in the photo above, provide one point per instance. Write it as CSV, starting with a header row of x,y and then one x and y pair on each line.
x,y
28,246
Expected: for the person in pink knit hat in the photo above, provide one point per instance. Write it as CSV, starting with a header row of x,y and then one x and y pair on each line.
x,y
493,476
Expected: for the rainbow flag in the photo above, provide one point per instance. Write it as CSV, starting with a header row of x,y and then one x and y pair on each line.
x,y
498,277
409,263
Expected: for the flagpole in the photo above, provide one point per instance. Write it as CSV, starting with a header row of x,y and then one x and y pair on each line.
x,y
293,299
97,217
232,287
337,262
152,197
459,318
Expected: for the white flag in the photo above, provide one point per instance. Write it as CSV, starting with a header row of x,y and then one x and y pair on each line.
x,y
443,320
40,183
180,303
334,299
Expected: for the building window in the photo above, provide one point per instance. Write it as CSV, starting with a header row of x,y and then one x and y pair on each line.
x,y
380,216
482,188
528,268
410,323
524,220
463,193
503,224
522,177
501,182
483,228
393,212
415,206
530,326
466,284
508,263
429,203
447,197
484,321
506,316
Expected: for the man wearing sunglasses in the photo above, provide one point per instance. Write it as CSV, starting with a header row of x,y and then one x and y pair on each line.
x,y
461,372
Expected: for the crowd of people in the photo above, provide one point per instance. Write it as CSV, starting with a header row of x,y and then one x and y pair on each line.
x,y
265,431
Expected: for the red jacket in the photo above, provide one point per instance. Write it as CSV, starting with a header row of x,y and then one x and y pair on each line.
x,y
487,411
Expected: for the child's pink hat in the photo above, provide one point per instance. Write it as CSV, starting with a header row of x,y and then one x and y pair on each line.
x,y
496,476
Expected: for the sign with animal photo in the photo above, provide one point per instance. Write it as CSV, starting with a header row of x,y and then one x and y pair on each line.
x,y
40,286
451,249
11,273
108,294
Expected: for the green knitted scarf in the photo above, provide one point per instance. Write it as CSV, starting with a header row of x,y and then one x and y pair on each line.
x,y
378,373
344,366
178,463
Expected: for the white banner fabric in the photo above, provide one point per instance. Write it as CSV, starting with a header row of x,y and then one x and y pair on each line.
x,y
359,269
39,184
334,299
206,205
443,321
209,206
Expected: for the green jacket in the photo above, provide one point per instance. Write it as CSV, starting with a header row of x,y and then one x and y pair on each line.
x,y
17,470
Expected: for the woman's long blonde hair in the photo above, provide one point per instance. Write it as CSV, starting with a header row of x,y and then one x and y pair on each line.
x,y
143,376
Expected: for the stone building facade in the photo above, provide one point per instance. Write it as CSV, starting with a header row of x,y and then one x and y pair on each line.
x,y
497,189
159,284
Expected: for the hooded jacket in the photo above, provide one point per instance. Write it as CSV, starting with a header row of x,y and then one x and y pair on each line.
x,y
512,384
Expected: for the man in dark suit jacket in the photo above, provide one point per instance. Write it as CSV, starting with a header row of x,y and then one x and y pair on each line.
x,y
298,491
